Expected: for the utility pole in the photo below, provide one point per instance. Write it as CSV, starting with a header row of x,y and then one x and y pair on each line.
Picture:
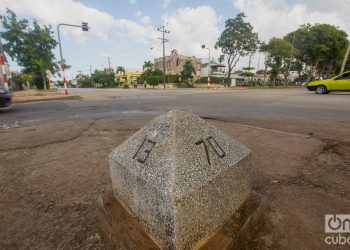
x,y
345,59
290,59
203,47
164,40
90,66
250,61
109,63
249,68
91,70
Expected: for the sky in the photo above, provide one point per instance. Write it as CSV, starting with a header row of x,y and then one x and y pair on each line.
x,y
126,30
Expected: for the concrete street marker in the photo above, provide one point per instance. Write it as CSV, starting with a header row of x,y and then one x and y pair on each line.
x,y
181,178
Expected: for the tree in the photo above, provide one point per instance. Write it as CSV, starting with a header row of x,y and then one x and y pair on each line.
x,y
22,79
278,57
267,61
260,72
120,70
30,45
221,58
157,72
147,70
298,66
101,76
237,40
153,80
321,46
83,81
247,72
188,70
148,66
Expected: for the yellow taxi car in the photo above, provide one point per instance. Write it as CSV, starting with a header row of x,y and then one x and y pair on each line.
x,y
338,83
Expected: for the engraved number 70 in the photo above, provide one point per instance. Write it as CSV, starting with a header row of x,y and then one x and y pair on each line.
x,y
214,145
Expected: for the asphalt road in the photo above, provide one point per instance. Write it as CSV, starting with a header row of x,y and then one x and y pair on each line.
x,y
296,105
54,162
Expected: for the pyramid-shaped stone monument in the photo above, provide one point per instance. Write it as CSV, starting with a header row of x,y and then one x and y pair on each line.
x,y
181,178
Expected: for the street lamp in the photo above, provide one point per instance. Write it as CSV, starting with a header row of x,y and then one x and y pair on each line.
x,y
203,47
84,26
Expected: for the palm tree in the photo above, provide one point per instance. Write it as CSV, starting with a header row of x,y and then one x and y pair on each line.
x,y
147,70
120,70
148,66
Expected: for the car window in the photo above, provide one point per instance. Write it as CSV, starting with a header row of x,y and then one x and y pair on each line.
x,y
343,76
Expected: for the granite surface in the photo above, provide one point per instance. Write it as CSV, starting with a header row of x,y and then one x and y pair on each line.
x,y
181,177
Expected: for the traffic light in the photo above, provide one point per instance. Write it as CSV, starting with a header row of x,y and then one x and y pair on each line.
x,y
85,26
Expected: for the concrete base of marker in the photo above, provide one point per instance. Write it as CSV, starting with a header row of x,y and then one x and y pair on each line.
x,y
121,230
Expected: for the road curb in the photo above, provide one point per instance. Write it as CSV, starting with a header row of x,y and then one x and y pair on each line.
x,y
61,98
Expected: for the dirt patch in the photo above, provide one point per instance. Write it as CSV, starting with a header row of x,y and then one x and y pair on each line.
x,y
39,96
50,184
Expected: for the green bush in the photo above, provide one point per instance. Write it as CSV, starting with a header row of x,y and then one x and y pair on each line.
x,y
173,78
153,80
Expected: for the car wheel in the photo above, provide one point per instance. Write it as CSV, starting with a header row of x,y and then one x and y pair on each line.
x,y
321,89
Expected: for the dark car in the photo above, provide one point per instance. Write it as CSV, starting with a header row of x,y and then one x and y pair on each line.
x,y
5,98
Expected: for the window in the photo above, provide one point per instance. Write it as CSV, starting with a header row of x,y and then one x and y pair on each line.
x,y
177,62
344,76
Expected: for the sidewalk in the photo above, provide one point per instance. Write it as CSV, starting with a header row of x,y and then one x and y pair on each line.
x,y
40,95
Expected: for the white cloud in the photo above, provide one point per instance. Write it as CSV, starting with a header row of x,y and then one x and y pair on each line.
x,y
138,14
189,29
279,17
135,31
276,18
54,12
145,20
133,1
166,3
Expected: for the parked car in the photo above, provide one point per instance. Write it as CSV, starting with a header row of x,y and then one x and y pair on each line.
x,y
338,83
5,98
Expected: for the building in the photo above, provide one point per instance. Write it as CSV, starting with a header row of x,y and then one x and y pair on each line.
x,y
130,76
215,70
175,62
